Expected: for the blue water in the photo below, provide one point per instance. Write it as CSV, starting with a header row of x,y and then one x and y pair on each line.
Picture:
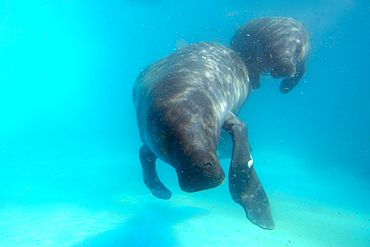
x,y
69,167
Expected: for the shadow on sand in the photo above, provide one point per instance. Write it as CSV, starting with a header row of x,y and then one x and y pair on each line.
x,y
151,225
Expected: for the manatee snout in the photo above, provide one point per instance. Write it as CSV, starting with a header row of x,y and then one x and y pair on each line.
x,y
200,171
283,69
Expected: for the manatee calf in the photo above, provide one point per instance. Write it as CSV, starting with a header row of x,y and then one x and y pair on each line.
x,y
182,102
276,45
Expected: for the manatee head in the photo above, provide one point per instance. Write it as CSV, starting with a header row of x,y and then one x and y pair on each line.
x,y
184,132
282,57
286,59
194,156
283,68
200,170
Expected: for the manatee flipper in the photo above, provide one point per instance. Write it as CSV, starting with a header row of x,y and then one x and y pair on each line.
x,y
151,179
244,185
289,83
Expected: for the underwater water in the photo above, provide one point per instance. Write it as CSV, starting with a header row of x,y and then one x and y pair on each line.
x,y
69,167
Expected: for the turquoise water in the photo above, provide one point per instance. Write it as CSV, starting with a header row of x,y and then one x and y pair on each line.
x,y
69,167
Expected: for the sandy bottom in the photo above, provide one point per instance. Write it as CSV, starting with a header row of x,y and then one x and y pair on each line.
x,y
104,203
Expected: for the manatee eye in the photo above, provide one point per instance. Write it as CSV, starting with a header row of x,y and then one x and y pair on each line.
x,y
299,48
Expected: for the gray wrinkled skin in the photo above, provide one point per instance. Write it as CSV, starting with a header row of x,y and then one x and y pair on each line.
x,y
276,45
182,102
175,99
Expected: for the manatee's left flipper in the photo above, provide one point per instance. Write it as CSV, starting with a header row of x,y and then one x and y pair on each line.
x,y
289,83
151,179
245,187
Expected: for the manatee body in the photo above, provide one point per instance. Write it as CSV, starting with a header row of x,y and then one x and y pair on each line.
x,y
183,101
276,45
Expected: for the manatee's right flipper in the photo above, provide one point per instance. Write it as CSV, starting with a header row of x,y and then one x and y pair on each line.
x,y
245,187
151,180
289,83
